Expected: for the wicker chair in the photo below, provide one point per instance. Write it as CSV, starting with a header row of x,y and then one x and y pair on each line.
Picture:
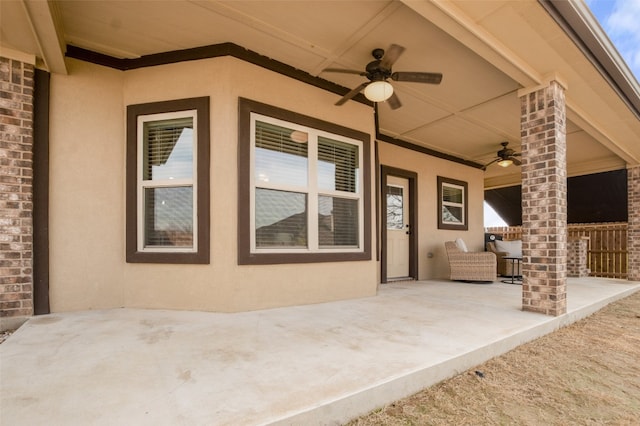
x,y
470,266
505,268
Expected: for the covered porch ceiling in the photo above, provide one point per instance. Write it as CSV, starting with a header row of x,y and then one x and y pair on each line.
x,y
486,50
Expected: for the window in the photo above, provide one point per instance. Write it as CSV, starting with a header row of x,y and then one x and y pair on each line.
x,y
303,189
168,182
452,200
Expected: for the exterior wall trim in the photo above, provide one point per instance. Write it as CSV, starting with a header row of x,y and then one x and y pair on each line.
x,y
231,49
41,193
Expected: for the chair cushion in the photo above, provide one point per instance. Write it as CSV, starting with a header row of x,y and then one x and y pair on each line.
x,y
461,245
512,248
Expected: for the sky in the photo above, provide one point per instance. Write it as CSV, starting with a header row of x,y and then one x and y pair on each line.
x,y
620,19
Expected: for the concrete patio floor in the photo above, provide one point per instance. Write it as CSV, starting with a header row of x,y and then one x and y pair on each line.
x,y
316,364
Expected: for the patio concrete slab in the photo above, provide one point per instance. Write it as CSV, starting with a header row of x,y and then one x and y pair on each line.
x,y
316,364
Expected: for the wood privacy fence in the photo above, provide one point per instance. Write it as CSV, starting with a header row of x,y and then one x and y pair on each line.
x,y
607,246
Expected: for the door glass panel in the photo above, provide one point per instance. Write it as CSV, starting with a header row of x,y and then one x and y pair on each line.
x,y
395,207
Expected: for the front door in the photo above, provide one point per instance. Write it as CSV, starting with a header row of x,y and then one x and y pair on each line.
x,y
398,227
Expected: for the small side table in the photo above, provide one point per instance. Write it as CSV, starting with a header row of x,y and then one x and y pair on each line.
x,y
515,266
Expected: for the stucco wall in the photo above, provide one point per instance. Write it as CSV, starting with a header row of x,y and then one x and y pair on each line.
x,y
86,220
430,238
88,181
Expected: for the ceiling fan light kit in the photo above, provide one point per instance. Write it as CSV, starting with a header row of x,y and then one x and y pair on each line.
x,y
378,91
505,157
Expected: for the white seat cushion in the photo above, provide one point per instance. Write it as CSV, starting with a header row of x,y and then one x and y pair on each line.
x,y
461,245
512,248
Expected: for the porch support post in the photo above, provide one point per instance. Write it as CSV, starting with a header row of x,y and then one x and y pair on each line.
x,y
16,206
633,230
544,198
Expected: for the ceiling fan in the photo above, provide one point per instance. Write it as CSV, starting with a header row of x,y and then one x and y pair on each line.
x,y
378,89
506,157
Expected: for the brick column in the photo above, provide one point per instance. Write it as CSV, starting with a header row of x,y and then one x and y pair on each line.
x,y
544,199
633,232
16,227
577,257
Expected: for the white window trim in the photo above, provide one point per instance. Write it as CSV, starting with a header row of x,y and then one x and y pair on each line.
x,y
311,189
166,183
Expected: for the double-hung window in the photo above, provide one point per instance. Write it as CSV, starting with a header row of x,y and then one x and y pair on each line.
x,y
452,197
167,219
305,191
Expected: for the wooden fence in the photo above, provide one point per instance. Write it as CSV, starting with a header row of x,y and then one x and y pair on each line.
x,y
607,248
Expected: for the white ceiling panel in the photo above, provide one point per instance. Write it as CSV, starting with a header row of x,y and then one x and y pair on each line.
x,y
456,136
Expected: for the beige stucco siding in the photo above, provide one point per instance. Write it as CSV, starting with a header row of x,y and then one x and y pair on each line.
x,y
87,177
430,238
86,188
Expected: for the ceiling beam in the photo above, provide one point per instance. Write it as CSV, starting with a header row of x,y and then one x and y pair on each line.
x,y
47,31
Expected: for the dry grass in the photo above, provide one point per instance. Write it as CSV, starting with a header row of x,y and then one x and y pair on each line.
x,y
585,374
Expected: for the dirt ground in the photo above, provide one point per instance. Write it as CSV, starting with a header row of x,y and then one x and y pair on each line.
x,y
585,374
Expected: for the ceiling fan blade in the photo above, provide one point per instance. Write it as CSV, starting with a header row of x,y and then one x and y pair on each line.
x,y
418,77
394,101
344,71
516,161
352,93
488,164
391,56
517,154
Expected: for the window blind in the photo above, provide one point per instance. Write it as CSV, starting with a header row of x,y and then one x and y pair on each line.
x,y
337,222
162,150
276,138
452,194
342,161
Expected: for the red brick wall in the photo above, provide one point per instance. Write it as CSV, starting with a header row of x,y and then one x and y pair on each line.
x,y
16,225
633,232
544,200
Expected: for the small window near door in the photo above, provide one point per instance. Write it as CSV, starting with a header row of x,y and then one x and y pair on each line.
x,y
452,204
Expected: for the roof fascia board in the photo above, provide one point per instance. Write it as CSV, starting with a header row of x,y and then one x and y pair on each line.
x,y
575,18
